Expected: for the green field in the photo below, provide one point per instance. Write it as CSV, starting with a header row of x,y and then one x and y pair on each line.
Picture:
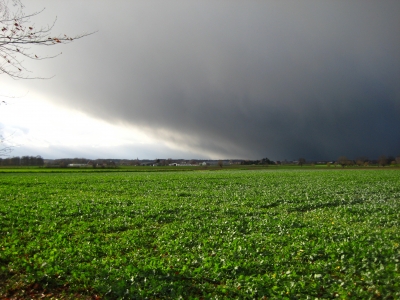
x,y
265,234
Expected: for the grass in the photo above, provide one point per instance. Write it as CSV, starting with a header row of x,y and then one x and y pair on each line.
x,y
288,234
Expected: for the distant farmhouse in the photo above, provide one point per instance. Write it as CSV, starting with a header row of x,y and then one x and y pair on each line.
x,y
77,165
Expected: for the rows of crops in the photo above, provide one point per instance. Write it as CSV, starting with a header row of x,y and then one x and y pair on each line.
x,y
211,235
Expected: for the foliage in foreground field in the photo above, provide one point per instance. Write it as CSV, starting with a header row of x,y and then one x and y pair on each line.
x,y
237,234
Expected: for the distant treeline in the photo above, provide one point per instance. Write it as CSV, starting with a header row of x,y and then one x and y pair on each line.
x,y
383,160
77,162
65,162
22,161
264,161
341,161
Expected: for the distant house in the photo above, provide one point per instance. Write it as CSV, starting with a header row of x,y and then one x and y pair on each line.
x,y
77,165
180,165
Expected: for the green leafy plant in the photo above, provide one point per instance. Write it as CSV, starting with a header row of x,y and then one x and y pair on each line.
x,y
229,234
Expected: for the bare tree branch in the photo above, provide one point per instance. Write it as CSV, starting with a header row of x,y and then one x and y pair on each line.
x,y
4,151
18,34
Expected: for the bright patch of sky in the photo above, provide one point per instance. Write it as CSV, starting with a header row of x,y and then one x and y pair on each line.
x,y
35,126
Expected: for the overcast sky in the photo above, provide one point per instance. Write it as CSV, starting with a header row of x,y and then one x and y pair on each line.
x,y
212,79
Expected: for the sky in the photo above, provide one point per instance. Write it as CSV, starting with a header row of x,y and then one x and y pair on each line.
x,y
211,79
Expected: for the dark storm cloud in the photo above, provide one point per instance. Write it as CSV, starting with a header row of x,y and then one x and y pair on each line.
x,y
250,79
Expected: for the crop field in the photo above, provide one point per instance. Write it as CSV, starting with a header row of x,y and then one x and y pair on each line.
x,y
286,234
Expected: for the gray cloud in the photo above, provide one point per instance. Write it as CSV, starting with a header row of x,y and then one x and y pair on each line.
x,y
238,78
